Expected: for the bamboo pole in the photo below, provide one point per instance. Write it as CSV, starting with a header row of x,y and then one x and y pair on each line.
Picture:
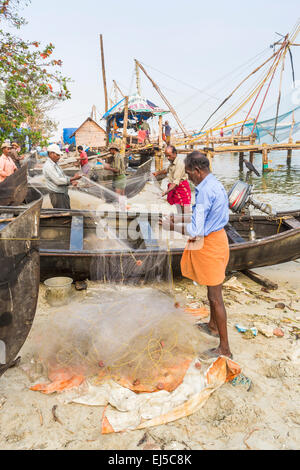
x,y
113,131
163,98
160,132
289,152
159,152
265,158
125,123
241,161
118,88
279,97
291,129
103,73
138,80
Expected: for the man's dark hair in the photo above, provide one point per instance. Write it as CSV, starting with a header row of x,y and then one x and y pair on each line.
x,y
80,147
174,149
197,160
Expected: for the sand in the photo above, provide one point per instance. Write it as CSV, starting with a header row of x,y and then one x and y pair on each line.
x,y
265,417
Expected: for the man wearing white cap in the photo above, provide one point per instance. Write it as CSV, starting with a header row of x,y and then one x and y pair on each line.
x,y
56,181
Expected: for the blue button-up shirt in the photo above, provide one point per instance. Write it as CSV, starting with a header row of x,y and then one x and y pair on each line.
x,y
211,210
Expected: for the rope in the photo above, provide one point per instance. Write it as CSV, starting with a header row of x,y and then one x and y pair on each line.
x,y
21,239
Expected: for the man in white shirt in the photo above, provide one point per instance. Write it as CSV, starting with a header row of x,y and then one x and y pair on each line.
x,y
56,181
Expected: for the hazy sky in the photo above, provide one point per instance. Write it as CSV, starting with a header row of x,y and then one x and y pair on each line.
x,y
195,42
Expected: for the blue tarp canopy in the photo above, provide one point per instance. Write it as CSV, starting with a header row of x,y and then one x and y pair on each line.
x,y
138,108
67,132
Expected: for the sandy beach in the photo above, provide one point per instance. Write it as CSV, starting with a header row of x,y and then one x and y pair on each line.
x,y
265,417
124,360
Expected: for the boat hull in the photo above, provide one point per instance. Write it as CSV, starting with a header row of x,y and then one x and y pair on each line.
x,y
19,280
115,265
13,190
64,253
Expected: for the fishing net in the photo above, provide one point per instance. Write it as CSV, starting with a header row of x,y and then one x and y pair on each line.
x,y
128,242
137,337
288,124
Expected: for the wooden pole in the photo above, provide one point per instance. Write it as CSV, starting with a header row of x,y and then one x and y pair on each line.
x,y
113,130
210,156
279,98
289,152
93,113
103,73
265,158
159,153
160,132
138,80
241,161
291,129
164,99
125,122
118,88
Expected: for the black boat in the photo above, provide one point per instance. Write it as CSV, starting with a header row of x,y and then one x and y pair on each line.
x,y
19,275
70,244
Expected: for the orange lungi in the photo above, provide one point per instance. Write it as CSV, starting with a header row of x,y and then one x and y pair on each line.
x,y
207,264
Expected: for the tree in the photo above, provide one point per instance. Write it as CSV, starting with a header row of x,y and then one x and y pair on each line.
x,y
32,83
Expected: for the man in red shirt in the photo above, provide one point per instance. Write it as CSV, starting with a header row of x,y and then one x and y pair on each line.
x,y
84,161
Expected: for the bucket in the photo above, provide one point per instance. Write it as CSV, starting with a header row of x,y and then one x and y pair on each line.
x,y
59,291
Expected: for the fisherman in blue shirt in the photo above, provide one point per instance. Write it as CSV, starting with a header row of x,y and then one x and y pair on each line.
x,y
207,252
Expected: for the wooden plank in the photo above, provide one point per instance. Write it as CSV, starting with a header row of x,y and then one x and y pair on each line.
x,y
292,223
147,234
263,281
76,237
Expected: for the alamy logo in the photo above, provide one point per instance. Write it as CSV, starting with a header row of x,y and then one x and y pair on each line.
x,y
2,353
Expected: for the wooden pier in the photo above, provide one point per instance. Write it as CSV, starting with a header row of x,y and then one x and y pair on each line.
x,y
263,149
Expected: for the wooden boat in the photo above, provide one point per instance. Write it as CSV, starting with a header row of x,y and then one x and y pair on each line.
x,y
19,276
136,181
71,247
13,190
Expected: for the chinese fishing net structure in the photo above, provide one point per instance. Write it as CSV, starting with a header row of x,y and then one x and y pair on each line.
x,y
278,129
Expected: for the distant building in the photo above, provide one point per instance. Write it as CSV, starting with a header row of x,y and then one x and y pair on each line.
x,y
90,134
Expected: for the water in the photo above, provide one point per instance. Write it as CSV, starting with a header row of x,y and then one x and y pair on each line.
x,y
280,188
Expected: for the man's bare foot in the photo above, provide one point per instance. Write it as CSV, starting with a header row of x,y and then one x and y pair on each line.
x,y
205,328
222,352
214,353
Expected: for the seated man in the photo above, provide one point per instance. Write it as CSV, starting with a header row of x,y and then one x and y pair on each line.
x,y
57,182
14,154
7,166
